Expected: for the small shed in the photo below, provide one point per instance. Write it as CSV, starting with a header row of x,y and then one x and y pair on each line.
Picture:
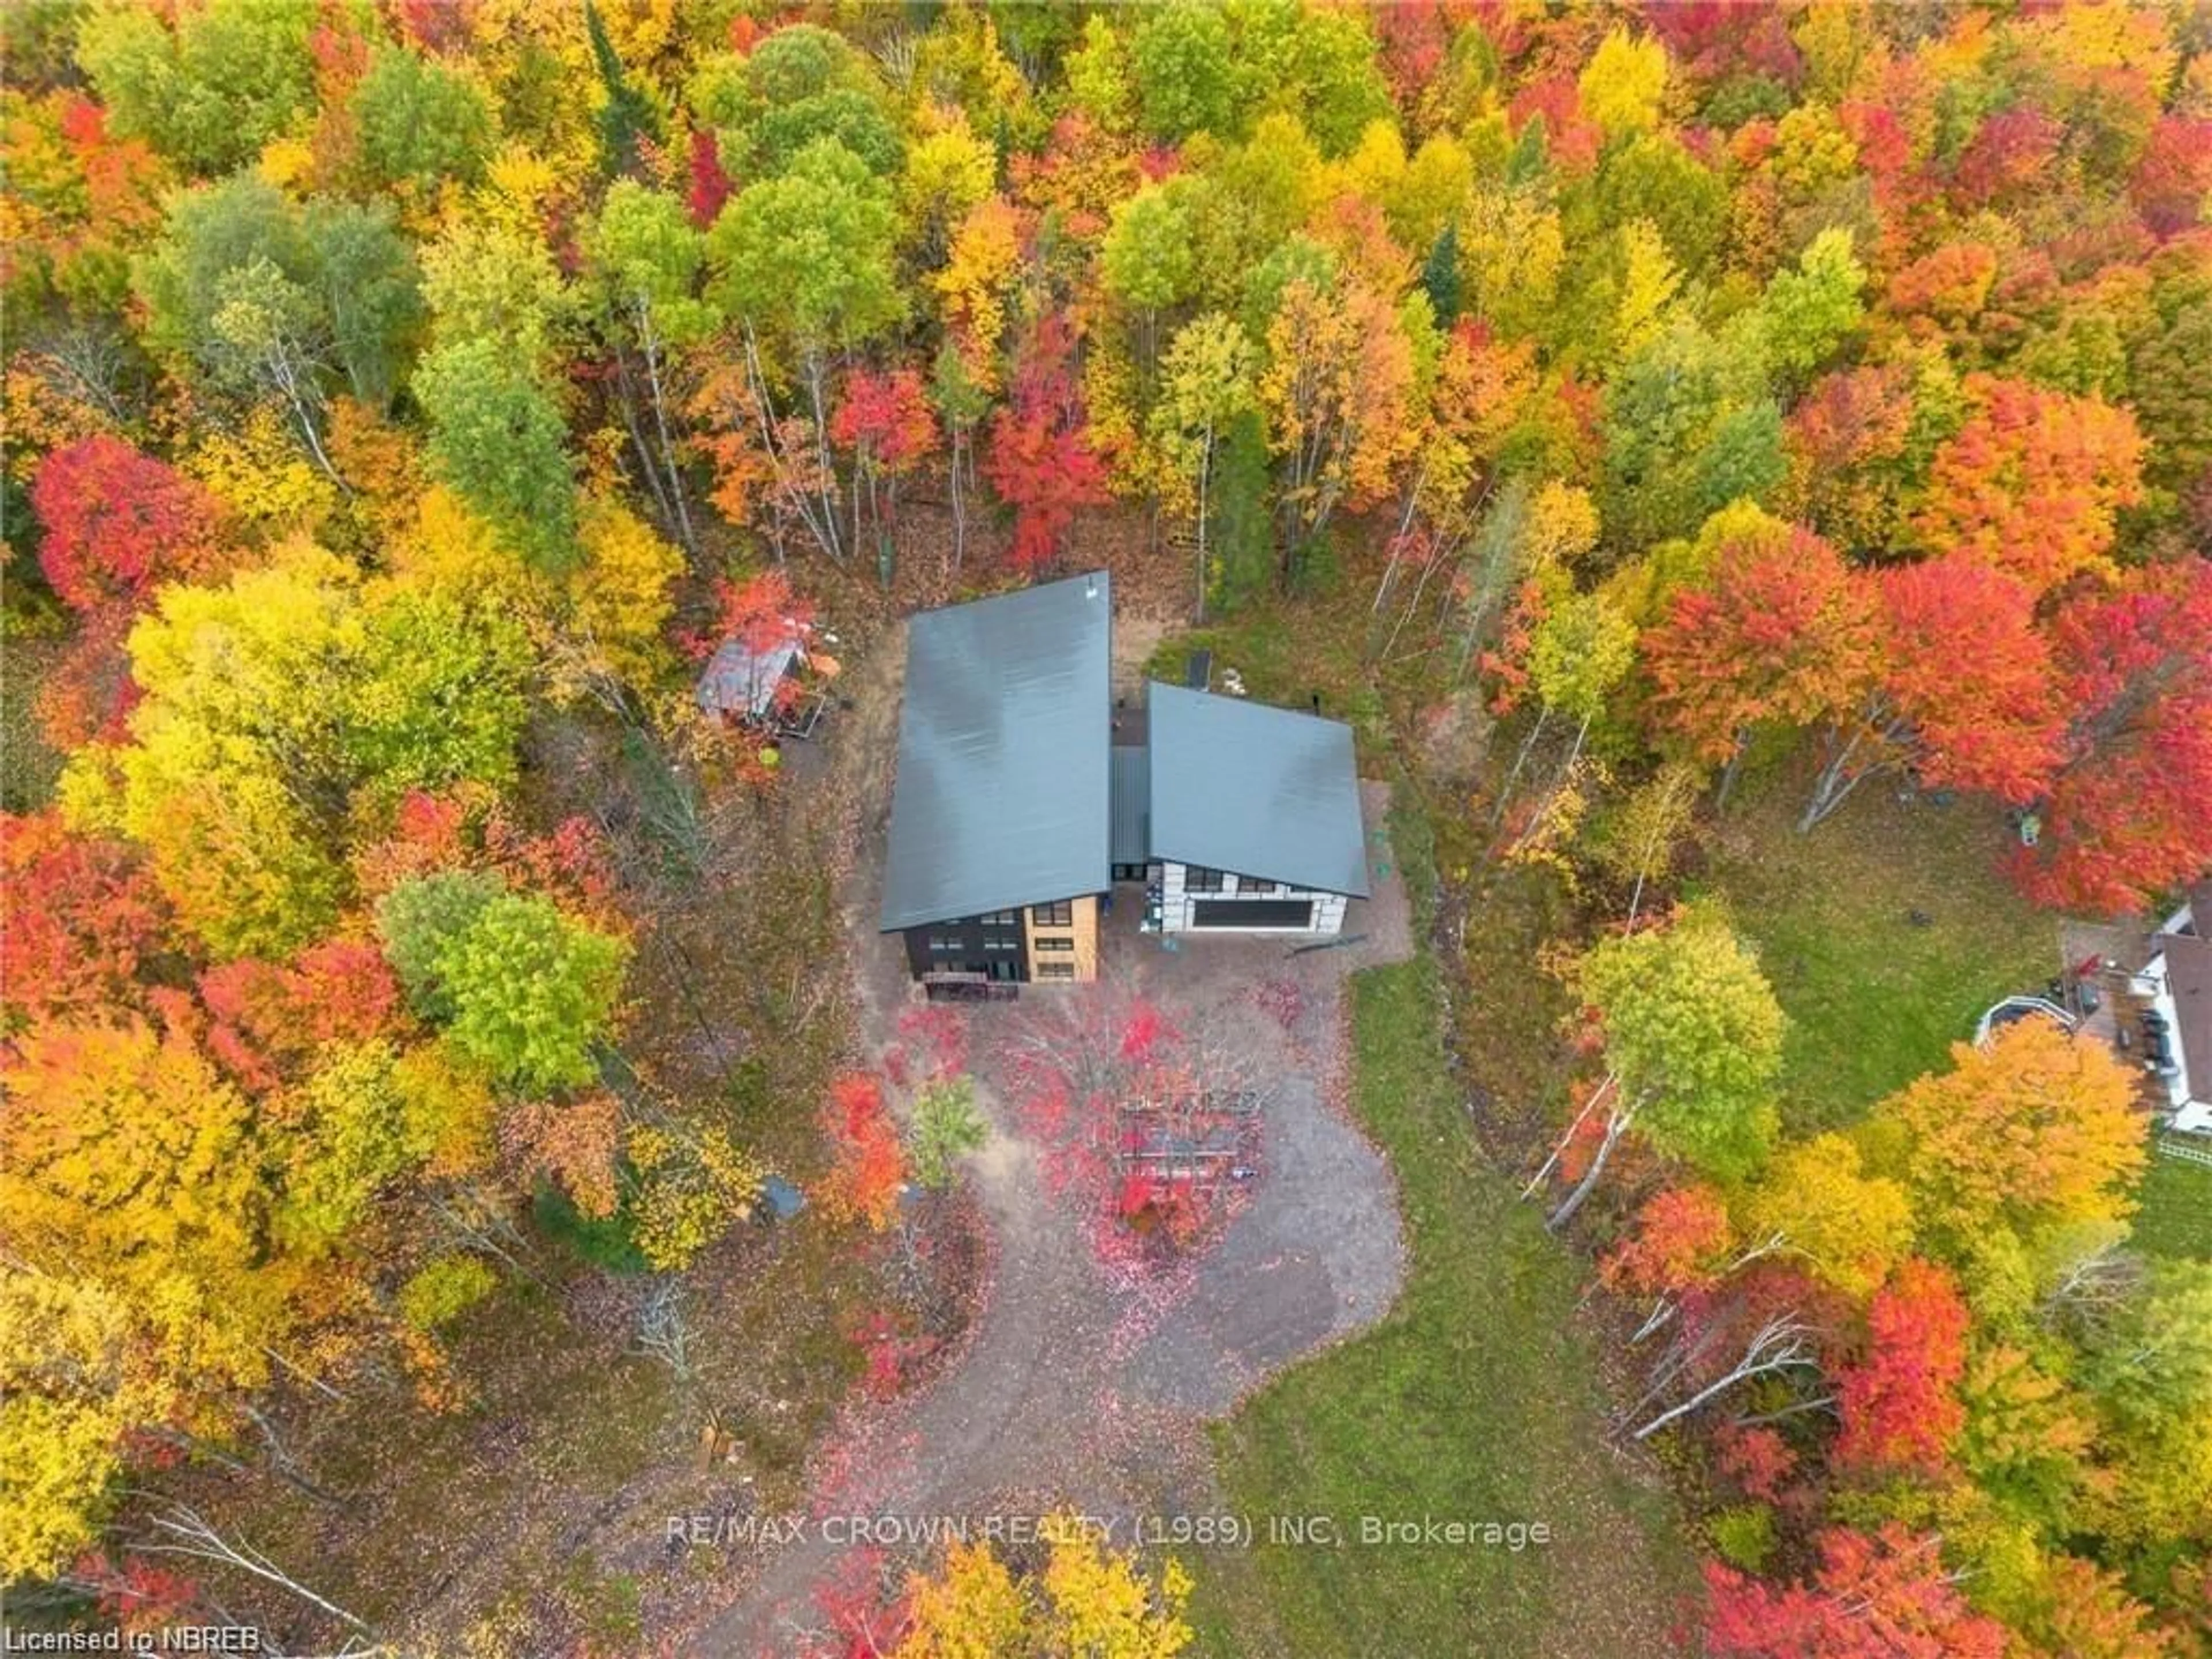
x,y
743,675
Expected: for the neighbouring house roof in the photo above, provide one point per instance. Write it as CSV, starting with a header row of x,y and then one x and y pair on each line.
x,y
741,679
1256,790
2189,982
1002,792
1132,838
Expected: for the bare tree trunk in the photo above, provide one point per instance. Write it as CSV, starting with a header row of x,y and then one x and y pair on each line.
x,y
1404,527
1505,792
1615,1125
1205,482
283,1465
649,343
817,508
1778,1344
187,1533
1589,1106
1728,776
647,462
287,380
959,501
824,461
663,1332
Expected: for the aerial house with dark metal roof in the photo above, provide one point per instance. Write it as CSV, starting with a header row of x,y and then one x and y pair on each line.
x,y
1014,810
1000,818
1253,813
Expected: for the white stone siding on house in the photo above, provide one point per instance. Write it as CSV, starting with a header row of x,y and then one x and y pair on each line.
x,y
1177,904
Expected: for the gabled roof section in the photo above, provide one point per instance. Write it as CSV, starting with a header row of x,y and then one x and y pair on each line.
x,y
1256,790
1001,798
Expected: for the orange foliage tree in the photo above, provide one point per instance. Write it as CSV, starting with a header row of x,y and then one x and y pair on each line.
x,y
2034,480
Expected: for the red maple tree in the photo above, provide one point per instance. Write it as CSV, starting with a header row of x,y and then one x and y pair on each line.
x,y
1784,631
1965,666
83,917
1879,1596
1900,1404
117,520
2125,816
868,1164
1040,460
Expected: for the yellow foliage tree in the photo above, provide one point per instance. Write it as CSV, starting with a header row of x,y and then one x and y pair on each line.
x,y
260,473
1849,1227
619,600
68,1394
2036,1131
1088,1602
1103,1608
1623,82
972,286
973,1609
127,1161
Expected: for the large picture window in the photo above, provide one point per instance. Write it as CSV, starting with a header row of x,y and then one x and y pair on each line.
x,y
1197,878
1061,915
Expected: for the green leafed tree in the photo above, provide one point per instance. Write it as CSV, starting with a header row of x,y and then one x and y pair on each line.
x,y
626,115
497,437
422,123
1693,1045
418,919
210,90
1807,313
807,256
645,259
947,1125
534,991
267,300
1205,385
1183,68
805,262
436,695
1149,258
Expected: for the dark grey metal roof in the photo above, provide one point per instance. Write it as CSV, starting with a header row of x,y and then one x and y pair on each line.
x,y
1001,798
1256,790
1133,806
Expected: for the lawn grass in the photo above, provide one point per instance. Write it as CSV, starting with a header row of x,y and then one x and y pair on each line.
x,y
1875,993
1476,1398
2176,1218
27,767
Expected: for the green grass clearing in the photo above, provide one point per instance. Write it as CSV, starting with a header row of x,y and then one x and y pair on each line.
x,y
1874,997
2176,1218
1476,1399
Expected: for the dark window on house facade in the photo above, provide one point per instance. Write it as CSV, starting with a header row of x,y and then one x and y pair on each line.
x,y
1000,919
1197,878
1252,884
1061,915
1053,944
1259,913
1055,970
993,943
